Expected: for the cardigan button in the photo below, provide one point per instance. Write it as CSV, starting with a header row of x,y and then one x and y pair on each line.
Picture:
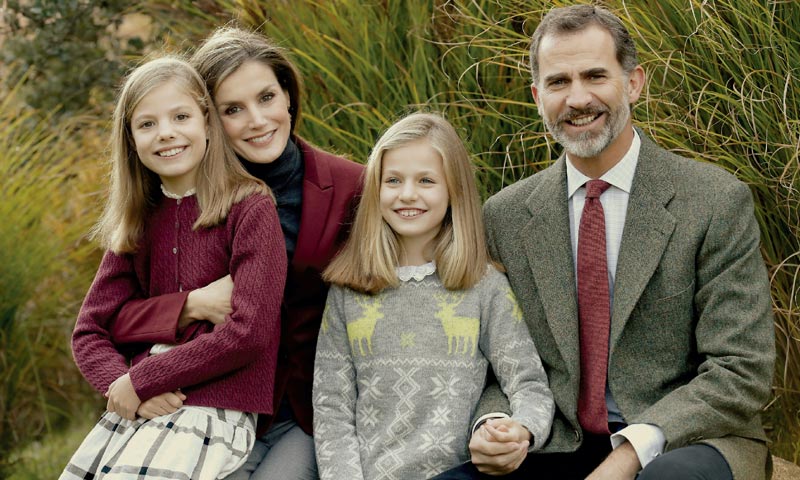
x,y
174,249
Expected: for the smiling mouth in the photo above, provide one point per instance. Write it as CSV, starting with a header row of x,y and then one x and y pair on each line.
x,y
409,213
262,139
171,152
583,120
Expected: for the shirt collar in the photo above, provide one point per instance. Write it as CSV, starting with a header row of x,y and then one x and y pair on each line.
x,y
175,196
620,175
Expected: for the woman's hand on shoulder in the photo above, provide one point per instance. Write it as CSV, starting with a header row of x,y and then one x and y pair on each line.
x,y
212,303
163,404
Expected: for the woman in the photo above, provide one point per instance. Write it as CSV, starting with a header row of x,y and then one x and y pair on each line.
x,y
257,92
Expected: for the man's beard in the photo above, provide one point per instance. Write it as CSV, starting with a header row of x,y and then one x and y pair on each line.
x,y
590,144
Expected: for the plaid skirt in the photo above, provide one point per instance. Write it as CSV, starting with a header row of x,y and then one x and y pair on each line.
x,y
193,443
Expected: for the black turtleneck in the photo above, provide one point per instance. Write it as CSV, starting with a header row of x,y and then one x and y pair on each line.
x,y
285,177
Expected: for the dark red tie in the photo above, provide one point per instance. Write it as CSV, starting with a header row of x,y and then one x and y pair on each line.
x,y
594,311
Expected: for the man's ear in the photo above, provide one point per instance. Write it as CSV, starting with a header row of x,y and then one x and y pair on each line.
x,y
535,93
635,83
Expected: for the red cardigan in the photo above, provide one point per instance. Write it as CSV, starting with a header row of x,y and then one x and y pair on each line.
x,y
227,367
331,186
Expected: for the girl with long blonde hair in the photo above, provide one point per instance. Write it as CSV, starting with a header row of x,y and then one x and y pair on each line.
x,y
181,212
415,316
258,92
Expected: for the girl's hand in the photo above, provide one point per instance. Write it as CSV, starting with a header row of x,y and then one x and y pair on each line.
x,y
163,404
122,398
212,303
499,446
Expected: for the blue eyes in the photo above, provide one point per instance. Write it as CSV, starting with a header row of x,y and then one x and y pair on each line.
x,y
395,180
180,117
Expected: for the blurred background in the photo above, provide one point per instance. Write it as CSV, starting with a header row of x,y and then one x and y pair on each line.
x,y
722,87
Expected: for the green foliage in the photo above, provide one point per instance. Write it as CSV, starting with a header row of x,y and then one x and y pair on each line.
x,y
367,63
38,280
722,87
45,458
69,49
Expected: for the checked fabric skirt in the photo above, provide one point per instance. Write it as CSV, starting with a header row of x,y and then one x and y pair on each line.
x,y
194,443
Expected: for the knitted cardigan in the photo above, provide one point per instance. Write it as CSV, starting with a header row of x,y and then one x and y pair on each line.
x,y
231,366
331,186
398,376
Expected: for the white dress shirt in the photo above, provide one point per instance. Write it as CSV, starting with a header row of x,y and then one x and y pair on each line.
x,y
647,440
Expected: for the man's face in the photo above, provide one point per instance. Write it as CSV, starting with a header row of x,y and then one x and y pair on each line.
x,y
583,95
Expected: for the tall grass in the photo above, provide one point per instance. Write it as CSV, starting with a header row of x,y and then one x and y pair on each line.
x,y
722,87
41,258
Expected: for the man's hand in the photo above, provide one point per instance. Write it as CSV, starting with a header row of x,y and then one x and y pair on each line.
x,y
621,464
122,398
212,303
163,404
499,446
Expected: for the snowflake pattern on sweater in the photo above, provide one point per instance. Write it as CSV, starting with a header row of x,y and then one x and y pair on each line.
x,y
398,376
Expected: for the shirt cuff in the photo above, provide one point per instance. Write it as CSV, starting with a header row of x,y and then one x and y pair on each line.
x,y
647,440
486,417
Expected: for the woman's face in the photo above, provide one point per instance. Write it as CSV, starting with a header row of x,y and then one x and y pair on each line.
x,y
255,112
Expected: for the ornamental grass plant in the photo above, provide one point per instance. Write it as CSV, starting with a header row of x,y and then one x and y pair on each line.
x,y
722,87
42,272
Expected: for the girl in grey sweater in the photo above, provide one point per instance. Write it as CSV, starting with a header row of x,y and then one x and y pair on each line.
x,y
416,314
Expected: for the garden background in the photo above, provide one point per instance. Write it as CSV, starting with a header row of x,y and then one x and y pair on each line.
x,y
722,87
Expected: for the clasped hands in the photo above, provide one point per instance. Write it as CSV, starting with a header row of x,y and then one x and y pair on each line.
x,y
500,446
123,400
212,303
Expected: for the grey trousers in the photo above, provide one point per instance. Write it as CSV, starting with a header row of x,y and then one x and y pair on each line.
x,y
285,452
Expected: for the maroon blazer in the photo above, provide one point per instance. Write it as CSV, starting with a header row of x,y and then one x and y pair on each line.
x,y
331,187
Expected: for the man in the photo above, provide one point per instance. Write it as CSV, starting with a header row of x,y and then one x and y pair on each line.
x,y
652,316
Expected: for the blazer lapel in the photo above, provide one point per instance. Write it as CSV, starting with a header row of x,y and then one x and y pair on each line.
x,y
648,228
317,195
549,252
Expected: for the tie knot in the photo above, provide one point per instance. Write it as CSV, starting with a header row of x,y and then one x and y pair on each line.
x,y
595,188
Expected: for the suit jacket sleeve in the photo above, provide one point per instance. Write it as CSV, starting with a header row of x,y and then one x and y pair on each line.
x,y
149,320
733,331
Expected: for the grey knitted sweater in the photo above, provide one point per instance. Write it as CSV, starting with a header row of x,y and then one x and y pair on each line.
x,y
398,376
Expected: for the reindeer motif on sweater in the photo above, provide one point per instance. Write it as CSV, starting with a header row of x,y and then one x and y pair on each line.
x,y
362,328
459,330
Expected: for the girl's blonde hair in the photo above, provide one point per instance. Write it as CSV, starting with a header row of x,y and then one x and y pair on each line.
x,y
368,260
230,47
221,180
